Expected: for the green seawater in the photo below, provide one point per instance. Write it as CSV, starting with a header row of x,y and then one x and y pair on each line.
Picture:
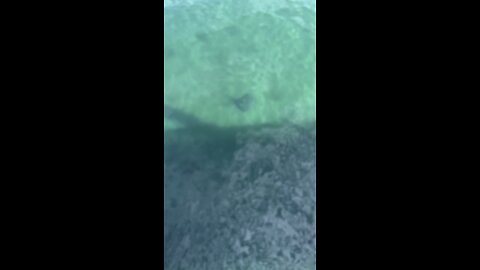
x,y
219,50
239,134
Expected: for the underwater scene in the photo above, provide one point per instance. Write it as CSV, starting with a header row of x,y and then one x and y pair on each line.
x,y
239,134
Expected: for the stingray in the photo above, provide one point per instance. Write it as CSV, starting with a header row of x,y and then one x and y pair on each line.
x,y
181,117
243,103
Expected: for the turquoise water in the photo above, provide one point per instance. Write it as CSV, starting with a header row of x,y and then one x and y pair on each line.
x,y
240,134
219,50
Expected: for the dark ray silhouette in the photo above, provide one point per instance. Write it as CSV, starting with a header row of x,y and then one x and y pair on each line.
x,y
182,117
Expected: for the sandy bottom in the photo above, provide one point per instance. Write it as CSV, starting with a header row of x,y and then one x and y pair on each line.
x,y
213,57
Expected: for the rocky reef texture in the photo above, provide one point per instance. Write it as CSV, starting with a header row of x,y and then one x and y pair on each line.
x,y
246,206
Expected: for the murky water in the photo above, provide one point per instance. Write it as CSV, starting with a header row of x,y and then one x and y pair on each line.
x,y
240,131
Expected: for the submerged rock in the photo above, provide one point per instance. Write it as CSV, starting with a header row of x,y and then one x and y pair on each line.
x,y
254,209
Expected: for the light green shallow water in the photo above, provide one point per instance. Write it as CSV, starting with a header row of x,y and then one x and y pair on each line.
x,y
219,50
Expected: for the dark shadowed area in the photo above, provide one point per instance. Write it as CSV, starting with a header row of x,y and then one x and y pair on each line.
x,y
240,198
